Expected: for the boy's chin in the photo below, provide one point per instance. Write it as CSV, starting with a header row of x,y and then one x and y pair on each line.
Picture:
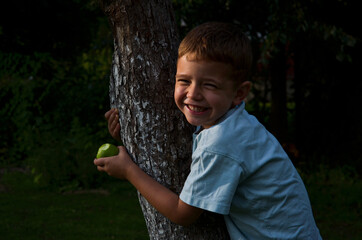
x,y
193,123
196,123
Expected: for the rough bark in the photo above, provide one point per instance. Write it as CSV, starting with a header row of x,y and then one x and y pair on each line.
x,y
141,87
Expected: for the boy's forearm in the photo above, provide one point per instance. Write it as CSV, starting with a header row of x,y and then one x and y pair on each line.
x,y
154,192
163,199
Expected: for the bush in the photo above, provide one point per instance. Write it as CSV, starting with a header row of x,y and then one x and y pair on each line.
x,y
52,117
65,159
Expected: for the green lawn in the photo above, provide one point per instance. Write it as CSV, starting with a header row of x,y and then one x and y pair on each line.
x,y
336,198
29,212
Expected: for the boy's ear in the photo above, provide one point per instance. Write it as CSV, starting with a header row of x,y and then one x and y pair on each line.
x,y
242,92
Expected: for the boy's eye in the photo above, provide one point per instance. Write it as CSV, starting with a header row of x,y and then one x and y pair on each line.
x,y
182,81
210,85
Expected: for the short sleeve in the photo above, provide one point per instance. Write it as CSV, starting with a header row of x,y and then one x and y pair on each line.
x,y
212,182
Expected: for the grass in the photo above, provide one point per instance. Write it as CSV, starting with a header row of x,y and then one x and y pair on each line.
x,y
29,212
335,195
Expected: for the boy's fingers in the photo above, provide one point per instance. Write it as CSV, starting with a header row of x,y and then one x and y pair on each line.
x,y
108,113
99,162
96,162
113,118
101,168
113,123
121,148
116,132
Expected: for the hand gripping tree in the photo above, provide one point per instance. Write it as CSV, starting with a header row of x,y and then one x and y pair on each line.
x,y
152,128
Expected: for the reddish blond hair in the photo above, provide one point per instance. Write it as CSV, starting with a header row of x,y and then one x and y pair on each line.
x,y
219,42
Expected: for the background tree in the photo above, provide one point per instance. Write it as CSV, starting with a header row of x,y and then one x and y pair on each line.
x,y
152,128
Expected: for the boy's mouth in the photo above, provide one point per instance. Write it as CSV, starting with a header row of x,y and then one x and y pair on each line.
x,y
196,108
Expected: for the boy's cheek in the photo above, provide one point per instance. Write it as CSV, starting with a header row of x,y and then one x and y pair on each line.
x,y
177,95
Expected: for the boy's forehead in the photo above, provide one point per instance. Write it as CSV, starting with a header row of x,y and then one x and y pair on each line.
x,y
201,61
194,57
206,67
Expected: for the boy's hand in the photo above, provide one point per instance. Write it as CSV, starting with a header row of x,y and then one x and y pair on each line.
x,y
115,166
163,199
113,123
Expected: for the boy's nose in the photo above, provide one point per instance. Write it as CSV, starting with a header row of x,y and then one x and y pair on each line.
x,y
194,92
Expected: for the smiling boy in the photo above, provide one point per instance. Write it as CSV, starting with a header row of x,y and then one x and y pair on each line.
x,y
238,168
204,92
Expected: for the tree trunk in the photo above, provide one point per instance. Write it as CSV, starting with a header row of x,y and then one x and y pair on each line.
x,y
152,128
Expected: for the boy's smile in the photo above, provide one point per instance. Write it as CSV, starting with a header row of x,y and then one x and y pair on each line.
x,y
204,91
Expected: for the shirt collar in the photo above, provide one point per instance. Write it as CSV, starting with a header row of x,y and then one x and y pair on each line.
x,y
225,116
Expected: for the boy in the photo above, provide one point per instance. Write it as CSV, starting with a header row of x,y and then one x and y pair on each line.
x,y
238,168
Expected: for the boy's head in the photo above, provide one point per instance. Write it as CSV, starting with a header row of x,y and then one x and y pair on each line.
x,y
219,42
213,62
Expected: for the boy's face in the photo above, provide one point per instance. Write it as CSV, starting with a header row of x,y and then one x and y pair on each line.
x,y
204,91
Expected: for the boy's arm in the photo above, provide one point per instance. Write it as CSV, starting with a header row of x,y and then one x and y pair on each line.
x,y
163,199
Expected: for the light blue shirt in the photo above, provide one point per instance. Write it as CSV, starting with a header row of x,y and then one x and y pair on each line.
x,y
241,171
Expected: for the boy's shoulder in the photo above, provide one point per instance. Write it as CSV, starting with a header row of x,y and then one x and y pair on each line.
x,y
236,130
237,123
241,137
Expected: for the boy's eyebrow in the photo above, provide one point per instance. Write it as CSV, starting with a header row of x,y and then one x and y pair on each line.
x,y
182,75
185,76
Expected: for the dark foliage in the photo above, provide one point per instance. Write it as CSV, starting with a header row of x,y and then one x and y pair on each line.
x,y
55,60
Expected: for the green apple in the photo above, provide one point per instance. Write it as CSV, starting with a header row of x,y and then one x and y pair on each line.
x,y
107,150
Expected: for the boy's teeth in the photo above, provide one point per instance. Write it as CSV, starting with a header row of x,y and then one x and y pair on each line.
x,y
196,109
